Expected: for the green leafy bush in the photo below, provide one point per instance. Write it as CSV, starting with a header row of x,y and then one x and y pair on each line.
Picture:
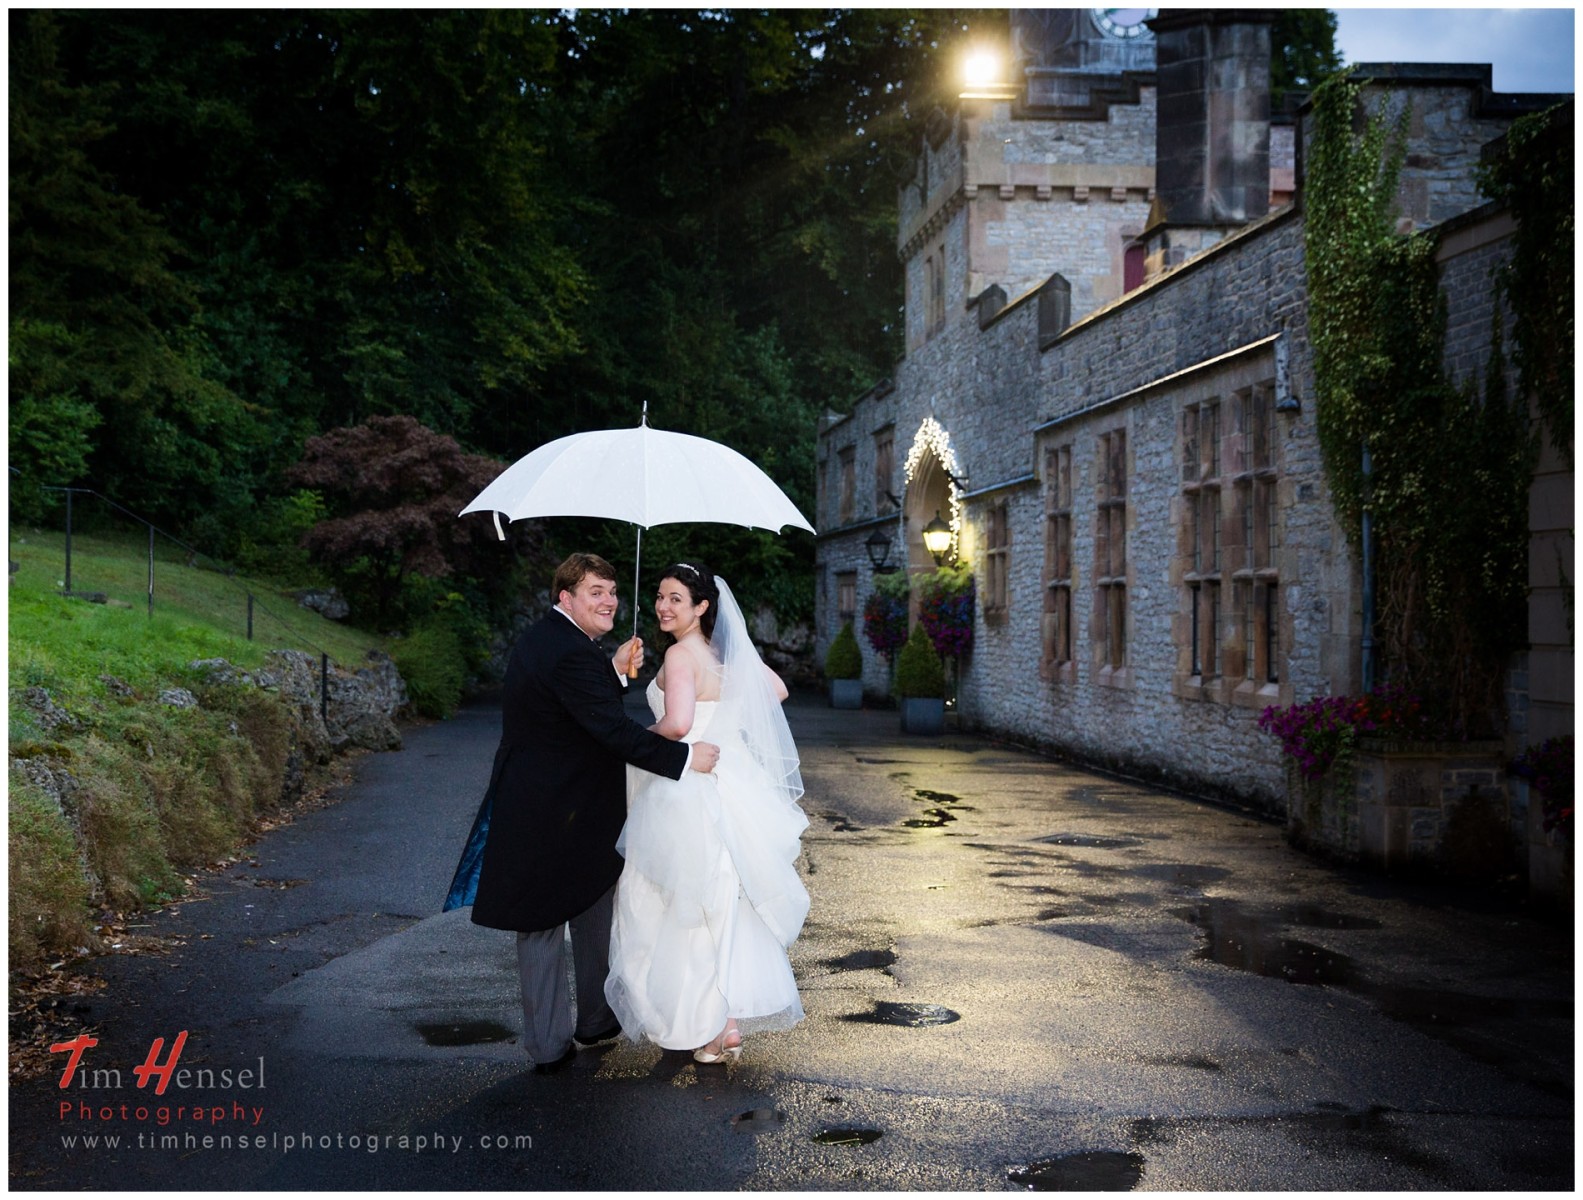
x,y
431,661
918,671
844,660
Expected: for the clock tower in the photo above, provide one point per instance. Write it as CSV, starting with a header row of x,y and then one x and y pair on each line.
x,y
1071,62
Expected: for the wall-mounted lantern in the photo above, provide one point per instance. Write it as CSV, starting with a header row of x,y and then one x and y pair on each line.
x,y
937,538
879,553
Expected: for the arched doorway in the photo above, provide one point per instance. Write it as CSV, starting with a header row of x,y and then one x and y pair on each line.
x,y
931,490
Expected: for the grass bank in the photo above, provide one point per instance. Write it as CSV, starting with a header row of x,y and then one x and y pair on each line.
x,y
113,792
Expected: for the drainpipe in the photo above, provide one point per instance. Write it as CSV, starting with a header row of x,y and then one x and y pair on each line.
x,y
1368,575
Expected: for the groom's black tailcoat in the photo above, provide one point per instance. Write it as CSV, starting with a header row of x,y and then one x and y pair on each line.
x,y
557,796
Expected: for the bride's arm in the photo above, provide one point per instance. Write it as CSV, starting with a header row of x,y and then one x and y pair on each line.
x,y
681,694
777,684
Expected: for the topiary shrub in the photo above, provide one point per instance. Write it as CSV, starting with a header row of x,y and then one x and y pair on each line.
x,y
844,660
919,674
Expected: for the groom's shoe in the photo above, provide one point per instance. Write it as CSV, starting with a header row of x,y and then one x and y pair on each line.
x,y
593,1039
550,1068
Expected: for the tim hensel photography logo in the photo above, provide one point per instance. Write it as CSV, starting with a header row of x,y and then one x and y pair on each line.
x,y
161,1075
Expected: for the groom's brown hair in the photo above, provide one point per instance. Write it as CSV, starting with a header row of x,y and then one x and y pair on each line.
x,y
571,573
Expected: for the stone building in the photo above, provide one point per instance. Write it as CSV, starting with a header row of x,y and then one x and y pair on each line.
x,y
1107,392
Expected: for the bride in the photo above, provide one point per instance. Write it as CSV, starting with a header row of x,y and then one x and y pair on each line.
x,y
709,898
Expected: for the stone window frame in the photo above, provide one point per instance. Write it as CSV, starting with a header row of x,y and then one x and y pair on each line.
x,y
846,482
1203,451
884,470
1257,503
1057,640
1110,631
845,596
934,275
1228,631
997,561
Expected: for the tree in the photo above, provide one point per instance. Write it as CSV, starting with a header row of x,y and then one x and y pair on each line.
x,y
393,489
108,376
1303,51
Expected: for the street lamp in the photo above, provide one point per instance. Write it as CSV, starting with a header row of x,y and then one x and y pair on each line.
x,y
879,552
937,538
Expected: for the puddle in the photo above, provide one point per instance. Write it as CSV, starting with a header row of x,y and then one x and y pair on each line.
x,y
879,761
1311,916
1089,841
937,797
758,1120
840,822
847,1135
464,1033
1248,942
1087,1171
862,960
933,818
888,1012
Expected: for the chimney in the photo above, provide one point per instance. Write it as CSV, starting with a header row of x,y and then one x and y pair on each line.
x,y
1212,155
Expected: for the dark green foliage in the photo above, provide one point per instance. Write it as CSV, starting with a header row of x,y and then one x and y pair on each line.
x,y
919,673
1303,51
1449,470
1533,175
844,660
431,661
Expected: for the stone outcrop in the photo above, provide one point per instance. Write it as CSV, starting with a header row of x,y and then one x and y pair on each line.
x,y
327,602
356,710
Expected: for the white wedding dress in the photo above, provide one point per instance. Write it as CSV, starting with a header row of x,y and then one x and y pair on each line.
x,y
710,897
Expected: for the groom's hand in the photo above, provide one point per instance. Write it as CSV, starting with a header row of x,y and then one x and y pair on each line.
x,y
629,657
705,756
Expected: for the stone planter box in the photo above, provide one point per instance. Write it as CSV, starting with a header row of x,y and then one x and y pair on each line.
x,y
1549,859
1437,807
922,715
846,693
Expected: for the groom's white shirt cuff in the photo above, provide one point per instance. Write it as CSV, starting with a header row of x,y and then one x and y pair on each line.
x,y
686,766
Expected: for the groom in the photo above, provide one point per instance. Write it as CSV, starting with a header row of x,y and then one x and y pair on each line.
x,y
556,804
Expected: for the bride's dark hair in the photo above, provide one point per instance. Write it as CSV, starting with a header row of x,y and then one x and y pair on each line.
x,y
700,583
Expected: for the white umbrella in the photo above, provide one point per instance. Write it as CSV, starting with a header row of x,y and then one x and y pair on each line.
x,y
642,475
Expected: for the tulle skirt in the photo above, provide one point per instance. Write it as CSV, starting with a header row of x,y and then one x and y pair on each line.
x,y
709,901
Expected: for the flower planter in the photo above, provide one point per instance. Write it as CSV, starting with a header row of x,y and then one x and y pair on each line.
x,y
922,715
846,693
1433,806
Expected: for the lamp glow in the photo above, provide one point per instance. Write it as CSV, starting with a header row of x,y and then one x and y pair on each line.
x,y
981,69
937,538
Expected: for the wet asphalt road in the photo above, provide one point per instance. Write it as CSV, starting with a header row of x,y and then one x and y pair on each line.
x,y
1016,974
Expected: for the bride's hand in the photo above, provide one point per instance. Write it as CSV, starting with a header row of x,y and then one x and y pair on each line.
x,y
705,756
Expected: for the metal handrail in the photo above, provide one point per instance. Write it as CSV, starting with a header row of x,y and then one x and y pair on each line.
x,y
224,569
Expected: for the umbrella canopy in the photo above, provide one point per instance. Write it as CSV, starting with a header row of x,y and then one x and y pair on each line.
x,y
646,476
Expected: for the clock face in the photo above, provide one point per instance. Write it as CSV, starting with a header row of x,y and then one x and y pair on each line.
x,y
1123,22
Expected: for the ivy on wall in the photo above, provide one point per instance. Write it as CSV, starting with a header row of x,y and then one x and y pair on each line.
x,y
1533,176
1449,468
